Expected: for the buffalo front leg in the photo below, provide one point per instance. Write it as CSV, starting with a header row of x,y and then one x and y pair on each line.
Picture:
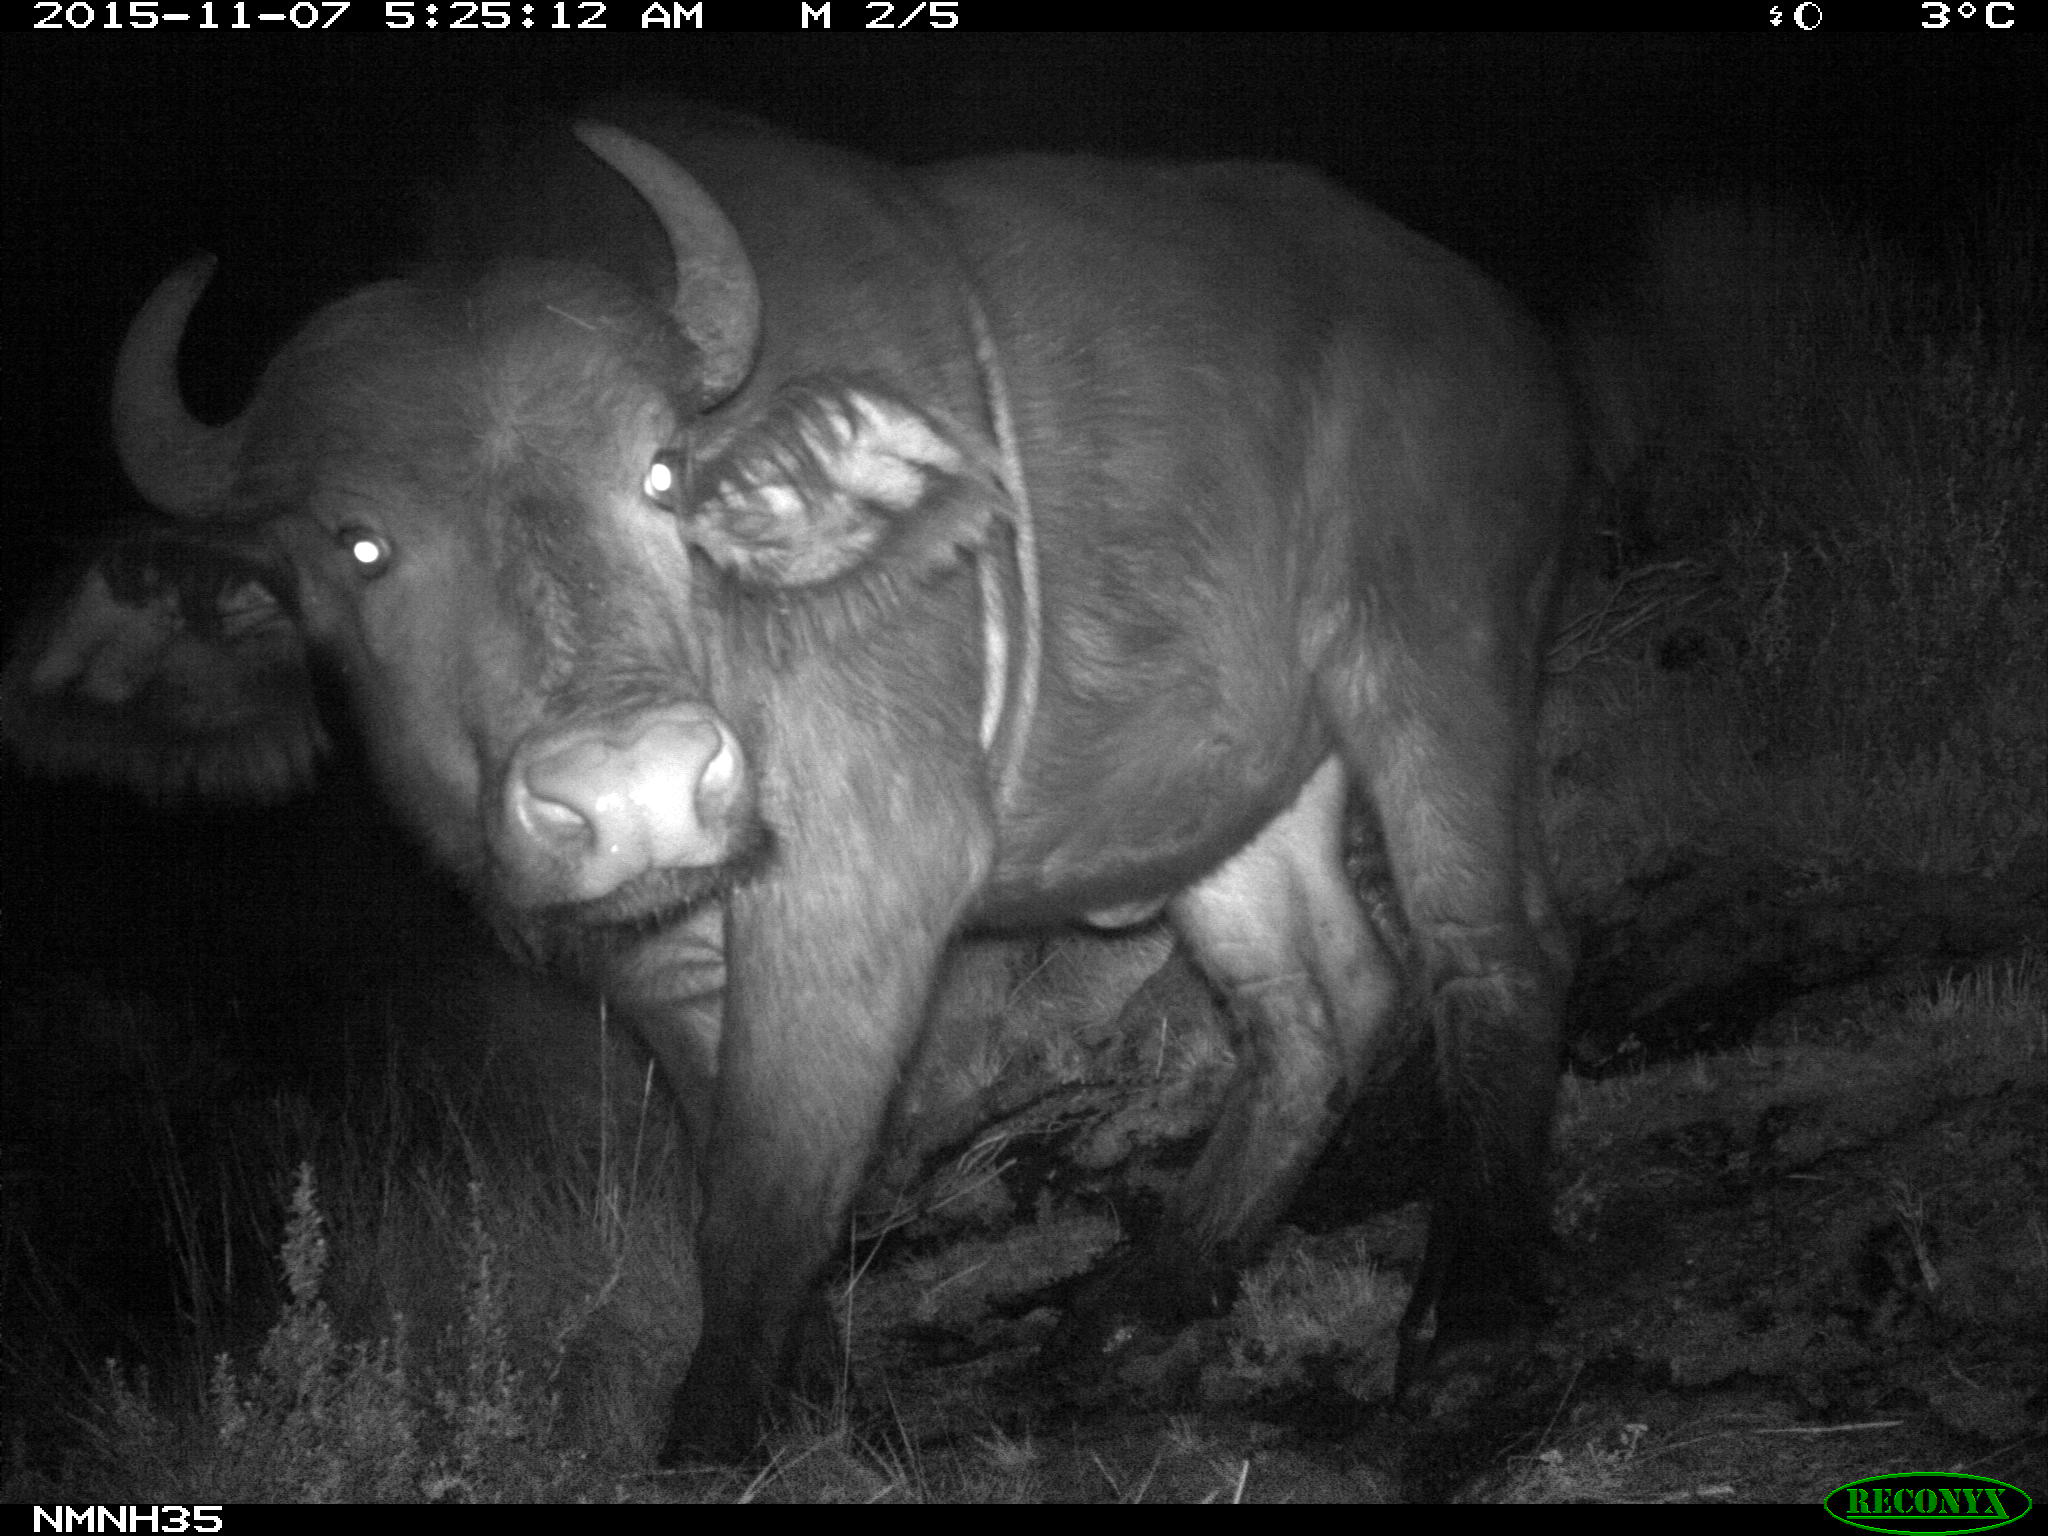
x,y
823,1008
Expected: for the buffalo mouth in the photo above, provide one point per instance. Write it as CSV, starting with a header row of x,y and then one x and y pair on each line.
x,y
646,905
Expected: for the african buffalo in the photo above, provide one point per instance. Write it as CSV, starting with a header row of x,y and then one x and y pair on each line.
x,y
751,566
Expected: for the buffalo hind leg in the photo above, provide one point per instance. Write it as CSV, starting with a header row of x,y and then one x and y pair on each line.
x,y
1450,779
1279,931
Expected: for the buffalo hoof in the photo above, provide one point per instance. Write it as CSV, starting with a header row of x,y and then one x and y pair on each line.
x,y
702,1429
727,1403
1130,1300
1449,1377
1481,1337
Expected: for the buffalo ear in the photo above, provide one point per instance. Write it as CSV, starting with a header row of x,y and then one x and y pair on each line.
x,y
835,480
172,667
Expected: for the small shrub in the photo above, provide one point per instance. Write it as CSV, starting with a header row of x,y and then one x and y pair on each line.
x,y
1857,460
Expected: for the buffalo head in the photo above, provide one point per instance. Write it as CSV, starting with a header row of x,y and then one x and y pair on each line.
x,y
495,504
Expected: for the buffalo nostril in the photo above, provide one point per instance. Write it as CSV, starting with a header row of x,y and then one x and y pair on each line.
x,y
551,821
720,779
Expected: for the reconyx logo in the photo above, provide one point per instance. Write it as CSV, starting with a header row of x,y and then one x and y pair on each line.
x,y
1947,1502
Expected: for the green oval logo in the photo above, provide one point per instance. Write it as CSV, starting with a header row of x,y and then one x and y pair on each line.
x,y
1949,1502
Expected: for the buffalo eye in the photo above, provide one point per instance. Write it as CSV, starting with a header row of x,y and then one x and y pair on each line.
x,y
664,482
367,548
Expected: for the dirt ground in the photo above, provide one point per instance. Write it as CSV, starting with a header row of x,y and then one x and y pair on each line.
x,y
1803,1213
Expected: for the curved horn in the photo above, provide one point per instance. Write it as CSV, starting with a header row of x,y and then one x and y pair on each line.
x,y
716,303
179,464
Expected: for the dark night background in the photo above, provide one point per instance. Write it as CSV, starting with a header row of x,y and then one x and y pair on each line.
x,y
296,160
